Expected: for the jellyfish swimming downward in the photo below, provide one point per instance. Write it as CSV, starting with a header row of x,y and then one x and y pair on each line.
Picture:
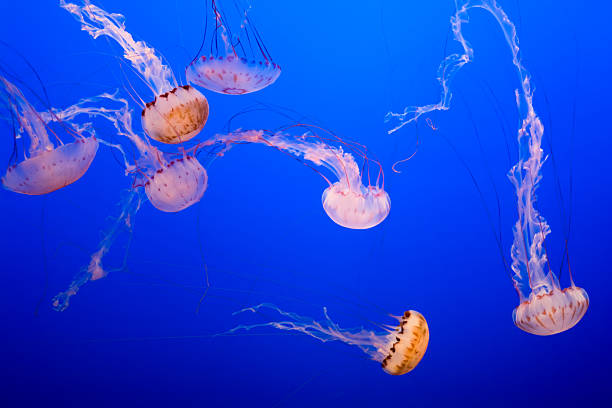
x,y
347,201
545,308
178,113
241,64
399,349
47,166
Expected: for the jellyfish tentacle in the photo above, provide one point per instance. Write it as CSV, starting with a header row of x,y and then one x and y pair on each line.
x,y
146,60
130,204
447,70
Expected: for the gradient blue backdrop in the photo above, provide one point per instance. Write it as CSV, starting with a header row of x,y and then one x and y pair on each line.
x,y
134,338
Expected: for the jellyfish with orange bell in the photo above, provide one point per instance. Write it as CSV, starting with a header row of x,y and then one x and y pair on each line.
x,y
233,59
48,163
347,200
177,113
398,349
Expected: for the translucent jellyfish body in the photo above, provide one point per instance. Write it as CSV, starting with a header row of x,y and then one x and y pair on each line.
x,y
359,207
178,113
399,349
177,185
232,75
233,59
53,169
551,312
46,167
347,201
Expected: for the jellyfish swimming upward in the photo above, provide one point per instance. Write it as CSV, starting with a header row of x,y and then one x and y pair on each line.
x,y
347,201
545,308
398,349
178,113
233,58
49,163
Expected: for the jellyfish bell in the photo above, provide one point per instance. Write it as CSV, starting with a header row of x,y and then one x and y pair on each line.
x,y
47,166
232,75
407,345
176,116
178,113
177,185
550,312
363,208
233,59
53,169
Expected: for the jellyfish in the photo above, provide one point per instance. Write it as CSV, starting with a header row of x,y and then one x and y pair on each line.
x,y
178,113
347,201
172,181
48,165
232,60
545,308
129,206
398,349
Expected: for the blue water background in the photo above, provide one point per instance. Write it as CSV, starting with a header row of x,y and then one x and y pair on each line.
x,y
135,339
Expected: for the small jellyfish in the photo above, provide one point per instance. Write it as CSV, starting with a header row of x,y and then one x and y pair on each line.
x,y
47,166
347,201
241,64
178,113
172,181
398,349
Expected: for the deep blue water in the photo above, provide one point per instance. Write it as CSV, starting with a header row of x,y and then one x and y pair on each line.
x,y
135,339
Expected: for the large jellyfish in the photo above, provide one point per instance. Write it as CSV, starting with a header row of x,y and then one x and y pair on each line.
x,y
347,201
398,349
48,165
178,113
172,181
129,206
232,59
545,308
